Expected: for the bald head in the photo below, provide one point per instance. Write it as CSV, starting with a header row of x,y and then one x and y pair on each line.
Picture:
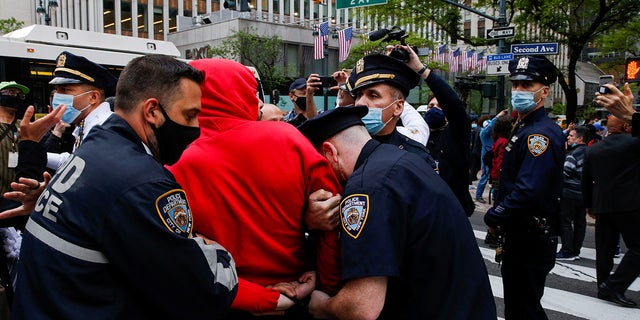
x,y
271,112
616,125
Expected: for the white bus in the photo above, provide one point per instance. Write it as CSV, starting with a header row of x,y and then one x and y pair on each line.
x,y
28,55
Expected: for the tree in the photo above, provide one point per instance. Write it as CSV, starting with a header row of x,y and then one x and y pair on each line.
x,y
574,24
11,24
263,53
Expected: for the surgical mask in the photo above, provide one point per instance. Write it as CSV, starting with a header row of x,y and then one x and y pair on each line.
x,y
373,120
522,101
473,125
71,113
173,138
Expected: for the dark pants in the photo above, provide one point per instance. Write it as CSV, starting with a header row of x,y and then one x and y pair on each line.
x,y
527,261
573,224
608,225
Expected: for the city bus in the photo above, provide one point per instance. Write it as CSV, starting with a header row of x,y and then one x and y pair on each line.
x,y
28,55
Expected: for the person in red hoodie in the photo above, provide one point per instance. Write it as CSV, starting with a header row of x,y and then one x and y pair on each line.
x,y
249,183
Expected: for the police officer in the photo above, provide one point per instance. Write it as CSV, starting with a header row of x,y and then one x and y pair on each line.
x,y
408,249
527,204
374,84
114,244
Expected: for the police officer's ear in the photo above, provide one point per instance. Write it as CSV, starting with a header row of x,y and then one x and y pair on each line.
x,y
398,107
329,151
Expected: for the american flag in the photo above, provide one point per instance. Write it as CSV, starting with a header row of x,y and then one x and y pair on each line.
x,y
482,62
453,60
344,40
440,53
318,47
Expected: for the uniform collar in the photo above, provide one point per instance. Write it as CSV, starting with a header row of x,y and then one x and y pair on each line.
x,y
365,152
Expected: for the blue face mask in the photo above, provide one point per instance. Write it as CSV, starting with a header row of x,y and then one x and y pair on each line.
x,y
473,125
522,101
71,113
373,119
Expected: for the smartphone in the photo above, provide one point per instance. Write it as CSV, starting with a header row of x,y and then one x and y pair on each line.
x,y
604,80
328,82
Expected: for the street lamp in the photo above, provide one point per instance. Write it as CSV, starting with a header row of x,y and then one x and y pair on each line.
x,y
52,5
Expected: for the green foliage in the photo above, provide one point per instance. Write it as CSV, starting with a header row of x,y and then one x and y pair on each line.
x,y
625,39
263,53
558,109
369,47
11,24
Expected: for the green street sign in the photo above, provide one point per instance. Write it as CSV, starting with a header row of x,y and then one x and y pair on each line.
x,y
343,4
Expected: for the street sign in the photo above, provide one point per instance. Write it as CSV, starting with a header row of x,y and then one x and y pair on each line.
x,y
499,33
534,48
498,64
343,4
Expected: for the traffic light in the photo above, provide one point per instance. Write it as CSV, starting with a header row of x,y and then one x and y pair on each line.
x,y
632,70
232,5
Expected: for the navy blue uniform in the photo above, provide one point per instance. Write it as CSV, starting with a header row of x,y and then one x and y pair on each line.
x,y
110,238
400,220
526,209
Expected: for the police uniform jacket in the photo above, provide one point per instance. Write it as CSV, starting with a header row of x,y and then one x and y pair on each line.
x,y
105,244
401,221
405,143
531,177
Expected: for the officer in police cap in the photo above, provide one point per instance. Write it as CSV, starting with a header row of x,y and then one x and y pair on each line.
x,y
406,241
82,86
525,213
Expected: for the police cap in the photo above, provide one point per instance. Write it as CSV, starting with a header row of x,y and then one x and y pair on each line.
x,y
378,68
298,84
532,68
71,69
329,123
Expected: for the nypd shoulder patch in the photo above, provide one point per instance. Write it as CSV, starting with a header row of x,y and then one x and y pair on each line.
x,y
354,211
537,144
174,212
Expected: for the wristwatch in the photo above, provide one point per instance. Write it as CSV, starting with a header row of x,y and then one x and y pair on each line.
x,y
422,70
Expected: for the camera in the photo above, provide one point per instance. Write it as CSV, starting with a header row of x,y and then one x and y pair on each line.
x,y
328,82
395,33
604,80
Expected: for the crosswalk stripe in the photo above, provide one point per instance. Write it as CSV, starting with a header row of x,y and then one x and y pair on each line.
x,y
575,304
563,269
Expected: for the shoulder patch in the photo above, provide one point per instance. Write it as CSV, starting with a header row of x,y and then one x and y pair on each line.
x,y
174,212
537,144
354,211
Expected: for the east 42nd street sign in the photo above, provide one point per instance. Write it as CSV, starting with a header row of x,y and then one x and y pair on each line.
x,y
342,4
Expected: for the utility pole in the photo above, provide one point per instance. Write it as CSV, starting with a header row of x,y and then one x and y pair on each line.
x,y
501,21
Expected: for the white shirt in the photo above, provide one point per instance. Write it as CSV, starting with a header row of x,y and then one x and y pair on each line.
x,y
413,125
98,116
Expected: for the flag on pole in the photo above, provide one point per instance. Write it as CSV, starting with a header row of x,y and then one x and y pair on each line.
x,y
318,46
453,61
440,53
344,41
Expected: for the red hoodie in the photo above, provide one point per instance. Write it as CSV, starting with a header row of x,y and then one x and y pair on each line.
x,y
248,182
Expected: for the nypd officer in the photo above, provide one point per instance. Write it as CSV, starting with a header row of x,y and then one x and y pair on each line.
x,y
82,86
408,249
118,244
526,210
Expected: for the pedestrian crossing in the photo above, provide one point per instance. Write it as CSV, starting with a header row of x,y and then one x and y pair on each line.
x,y
565,296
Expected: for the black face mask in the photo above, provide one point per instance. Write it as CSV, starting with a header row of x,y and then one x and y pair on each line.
x,y
10,102
173,138
301,102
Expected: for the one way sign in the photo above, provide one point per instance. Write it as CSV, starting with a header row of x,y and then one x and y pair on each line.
x,y
499,33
